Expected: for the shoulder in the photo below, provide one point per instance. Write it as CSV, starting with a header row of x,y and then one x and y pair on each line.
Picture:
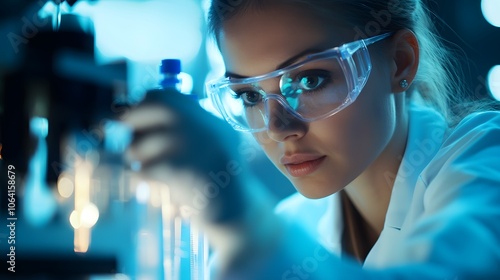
x,y
477,126
468,159
475,138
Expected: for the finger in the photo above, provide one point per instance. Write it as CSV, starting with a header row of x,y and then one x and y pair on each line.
x,y
147,116
152,146
185,187
167,131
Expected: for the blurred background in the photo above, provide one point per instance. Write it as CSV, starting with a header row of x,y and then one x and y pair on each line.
x,y
77,213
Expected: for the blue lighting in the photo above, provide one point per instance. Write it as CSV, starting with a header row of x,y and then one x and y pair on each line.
x,y
147,31
39,203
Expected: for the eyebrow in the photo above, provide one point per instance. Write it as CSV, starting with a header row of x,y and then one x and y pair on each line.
x,y
284,64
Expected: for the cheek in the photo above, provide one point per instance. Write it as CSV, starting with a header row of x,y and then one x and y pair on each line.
x,y
356,136
263,139
373,115
269,146
372,122
352,140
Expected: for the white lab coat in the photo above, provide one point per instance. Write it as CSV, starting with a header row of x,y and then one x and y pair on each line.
x,y
443,220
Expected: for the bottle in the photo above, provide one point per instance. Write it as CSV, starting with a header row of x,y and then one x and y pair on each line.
x,y
170,70
173,79
170,83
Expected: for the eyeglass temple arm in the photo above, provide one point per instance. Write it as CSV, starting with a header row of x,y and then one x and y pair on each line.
x,y
374,39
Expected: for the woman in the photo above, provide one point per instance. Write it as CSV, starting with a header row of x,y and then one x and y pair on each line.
x,y
353,102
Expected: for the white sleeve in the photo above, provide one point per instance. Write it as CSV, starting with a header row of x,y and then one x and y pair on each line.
x,y
459,229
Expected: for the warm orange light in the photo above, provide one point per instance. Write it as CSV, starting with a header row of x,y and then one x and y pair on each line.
x,y
65,186
82,240
86,214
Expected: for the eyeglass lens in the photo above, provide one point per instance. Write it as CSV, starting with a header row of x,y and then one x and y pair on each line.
x,y
311,90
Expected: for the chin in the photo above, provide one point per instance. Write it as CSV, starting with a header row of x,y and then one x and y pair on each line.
x,y
314,191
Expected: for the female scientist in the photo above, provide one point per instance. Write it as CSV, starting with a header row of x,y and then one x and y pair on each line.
x,y
357,103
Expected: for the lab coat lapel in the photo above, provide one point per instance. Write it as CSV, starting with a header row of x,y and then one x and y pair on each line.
x,y
426,132
425,137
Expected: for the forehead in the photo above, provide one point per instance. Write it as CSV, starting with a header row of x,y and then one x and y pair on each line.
x,y
257,40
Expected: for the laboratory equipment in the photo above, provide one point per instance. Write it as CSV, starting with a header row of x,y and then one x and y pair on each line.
x,y
77,204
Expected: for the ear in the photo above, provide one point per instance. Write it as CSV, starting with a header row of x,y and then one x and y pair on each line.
x,y
405,54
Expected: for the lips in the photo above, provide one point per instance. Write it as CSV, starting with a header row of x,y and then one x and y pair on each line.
x,y
300,165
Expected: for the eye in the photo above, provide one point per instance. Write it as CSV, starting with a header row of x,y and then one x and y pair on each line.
x,y
250,98
313,80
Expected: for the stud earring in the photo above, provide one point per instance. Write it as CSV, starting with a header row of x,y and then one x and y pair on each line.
x,y
403,83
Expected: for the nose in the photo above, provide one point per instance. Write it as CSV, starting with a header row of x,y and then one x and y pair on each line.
x,y
282,125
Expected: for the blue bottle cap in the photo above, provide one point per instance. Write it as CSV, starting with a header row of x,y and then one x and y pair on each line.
x,y
172,66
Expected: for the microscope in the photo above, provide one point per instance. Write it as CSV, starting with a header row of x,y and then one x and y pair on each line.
x,y
72,210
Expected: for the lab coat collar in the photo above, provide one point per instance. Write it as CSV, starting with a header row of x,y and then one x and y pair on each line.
x,y
425,136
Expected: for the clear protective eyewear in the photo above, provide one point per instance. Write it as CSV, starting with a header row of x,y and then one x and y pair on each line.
x,y
315,88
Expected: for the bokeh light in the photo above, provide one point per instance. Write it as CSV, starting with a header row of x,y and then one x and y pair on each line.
x,y
491,11
89,215
494,81
65,186
86,218
149,30
74,219
142,192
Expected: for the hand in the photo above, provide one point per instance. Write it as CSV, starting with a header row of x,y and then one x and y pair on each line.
x,y
196,155
193,152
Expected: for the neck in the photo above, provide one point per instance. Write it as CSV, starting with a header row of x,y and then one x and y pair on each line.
x,y
370,193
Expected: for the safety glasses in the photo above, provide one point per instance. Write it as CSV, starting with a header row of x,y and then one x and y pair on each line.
x,y
315,88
